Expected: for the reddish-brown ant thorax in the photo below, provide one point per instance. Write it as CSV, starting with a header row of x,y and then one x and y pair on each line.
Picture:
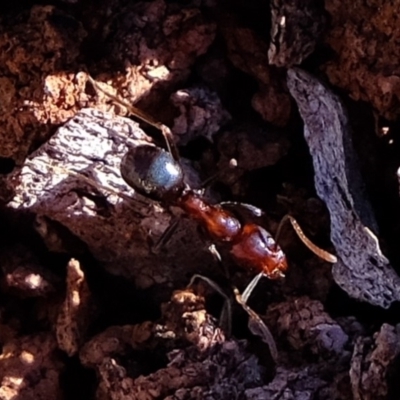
x,y
256,248
219,223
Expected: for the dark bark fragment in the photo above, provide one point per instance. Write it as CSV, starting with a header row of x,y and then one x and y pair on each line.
x,y
252,147
306,382
362,270
74,180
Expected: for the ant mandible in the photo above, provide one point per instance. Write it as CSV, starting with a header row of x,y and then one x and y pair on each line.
x,y
156,174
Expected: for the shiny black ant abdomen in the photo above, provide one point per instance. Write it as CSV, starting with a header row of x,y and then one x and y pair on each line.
x,y
153,172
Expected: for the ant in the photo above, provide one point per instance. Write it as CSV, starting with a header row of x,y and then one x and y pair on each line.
x,y
154,173
157,174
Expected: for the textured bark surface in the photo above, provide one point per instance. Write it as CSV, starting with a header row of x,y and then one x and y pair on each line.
x,y
362,270
74,180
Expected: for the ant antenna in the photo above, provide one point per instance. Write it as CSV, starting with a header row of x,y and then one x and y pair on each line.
x,y
231,165
226,313
307,242
166,132
257,325
250,287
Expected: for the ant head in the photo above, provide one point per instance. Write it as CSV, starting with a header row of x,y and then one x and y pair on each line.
x,y
275,263
278,268
153,172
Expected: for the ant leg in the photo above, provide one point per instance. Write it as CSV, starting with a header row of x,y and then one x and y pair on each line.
x,y
169,139
253,210
213,250
257,325
225,319
166,235
307,242
166,132
250,287
217,256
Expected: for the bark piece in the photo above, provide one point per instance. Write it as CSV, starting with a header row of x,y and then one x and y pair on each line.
x,y
76,311
30,368
74,182
362,270
372,358
296,29
114,340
